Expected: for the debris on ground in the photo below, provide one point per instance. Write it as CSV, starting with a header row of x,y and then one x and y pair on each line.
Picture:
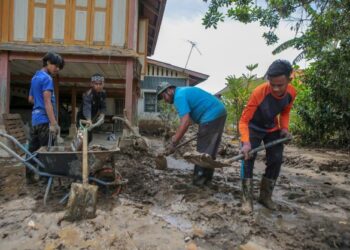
x,y
161,209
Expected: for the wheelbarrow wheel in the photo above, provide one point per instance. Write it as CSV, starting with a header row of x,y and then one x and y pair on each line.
x,y
109,175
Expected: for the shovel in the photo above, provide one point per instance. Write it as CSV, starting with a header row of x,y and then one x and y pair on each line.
x,y
160,160
206,161
83,197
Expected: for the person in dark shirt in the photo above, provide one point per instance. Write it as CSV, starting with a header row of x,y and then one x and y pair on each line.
x,y
266,118
93,105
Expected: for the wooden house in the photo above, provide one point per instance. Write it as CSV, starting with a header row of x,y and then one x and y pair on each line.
x,y
111,37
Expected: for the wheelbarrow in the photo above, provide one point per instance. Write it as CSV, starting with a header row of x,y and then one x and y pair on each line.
x,y
61,162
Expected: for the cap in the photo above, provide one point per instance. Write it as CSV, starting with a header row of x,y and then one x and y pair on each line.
x,y
162,87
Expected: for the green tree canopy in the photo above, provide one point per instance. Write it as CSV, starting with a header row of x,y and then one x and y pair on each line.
x,y
318,24
322,35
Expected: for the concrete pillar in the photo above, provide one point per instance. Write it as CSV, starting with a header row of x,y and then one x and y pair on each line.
x,y
129,87
4,92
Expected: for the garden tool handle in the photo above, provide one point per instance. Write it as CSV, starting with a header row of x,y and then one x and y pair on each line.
x,y
186,142
49,143
85,124
179,146
258,149
85,157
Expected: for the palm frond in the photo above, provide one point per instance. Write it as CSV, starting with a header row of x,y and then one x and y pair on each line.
x,y
299,57
286,45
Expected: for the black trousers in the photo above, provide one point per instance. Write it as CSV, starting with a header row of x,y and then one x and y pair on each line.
x,y
39,137
274,155
208,141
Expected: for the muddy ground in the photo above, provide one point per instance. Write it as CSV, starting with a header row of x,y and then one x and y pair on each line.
x,y
160,209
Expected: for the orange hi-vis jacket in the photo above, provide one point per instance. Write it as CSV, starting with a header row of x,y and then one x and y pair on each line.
x,y
266,112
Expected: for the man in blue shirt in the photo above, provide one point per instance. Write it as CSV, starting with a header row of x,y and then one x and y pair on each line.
x,y
199,106
44,114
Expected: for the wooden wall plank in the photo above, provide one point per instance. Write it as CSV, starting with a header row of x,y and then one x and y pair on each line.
x,y
39,23
59,17
20,23
119,23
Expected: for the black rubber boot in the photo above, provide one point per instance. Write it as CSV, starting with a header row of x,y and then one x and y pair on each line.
x,y
199,177
266,189
247,196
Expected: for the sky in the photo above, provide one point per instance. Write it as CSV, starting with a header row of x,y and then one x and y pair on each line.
x,y
224,51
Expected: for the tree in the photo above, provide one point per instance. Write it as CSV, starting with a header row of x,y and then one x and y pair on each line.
x,y
237,94
322,32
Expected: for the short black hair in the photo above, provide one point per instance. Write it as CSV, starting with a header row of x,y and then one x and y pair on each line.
x,y
53,58
279,68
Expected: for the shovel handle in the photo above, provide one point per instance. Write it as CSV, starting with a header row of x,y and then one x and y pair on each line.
x,y
85,157
258,149
186,142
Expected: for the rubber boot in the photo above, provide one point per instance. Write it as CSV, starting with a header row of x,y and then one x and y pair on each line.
x,y
266,189
247,196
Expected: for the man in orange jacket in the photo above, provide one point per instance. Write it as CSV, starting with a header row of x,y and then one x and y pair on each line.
x,y
266,118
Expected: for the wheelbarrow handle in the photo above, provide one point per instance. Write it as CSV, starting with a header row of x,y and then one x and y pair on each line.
x,y
258,149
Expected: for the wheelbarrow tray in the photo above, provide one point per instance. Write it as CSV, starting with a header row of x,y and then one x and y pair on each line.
x,y
63,161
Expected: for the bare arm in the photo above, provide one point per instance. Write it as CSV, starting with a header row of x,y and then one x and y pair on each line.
x,y
49,108
185,122
31,99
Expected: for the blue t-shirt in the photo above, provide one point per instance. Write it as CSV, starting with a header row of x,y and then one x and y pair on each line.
x,y
41,82
200,105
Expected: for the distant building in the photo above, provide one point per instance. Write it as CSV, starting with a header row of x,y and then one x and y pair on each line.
x,y
157,72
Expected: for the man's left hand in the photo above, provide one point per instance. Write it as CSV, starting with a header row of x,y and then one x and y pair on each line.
x,y
285,133
170,147
101,117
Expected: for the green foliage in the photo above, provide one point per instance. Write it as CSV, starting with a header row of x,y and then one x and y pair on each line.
x,y
168,115
322,31
237,94
235,99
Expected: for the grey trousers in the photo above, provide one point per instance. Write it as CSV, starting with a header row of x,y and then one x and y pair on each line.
x,y
208,141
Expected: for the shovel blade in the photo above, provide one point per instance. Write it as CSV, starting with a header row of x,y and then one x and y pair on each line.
x,y
204,160
161,162
82,202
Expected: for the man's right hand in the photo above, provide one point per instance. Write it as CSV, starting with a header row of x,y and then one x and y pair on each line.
x,y
88,123
54,129
245,150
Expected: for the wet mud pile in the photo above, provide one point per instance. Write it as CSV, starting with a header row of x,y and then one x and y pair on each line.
x,y
161,209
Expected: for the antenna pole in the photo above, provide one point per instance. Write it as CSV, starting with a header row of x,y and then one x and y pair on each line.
x,y
188,58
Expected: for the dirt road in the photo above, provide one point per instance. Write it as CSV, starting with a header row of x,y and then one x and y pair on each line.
x,y
160,209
